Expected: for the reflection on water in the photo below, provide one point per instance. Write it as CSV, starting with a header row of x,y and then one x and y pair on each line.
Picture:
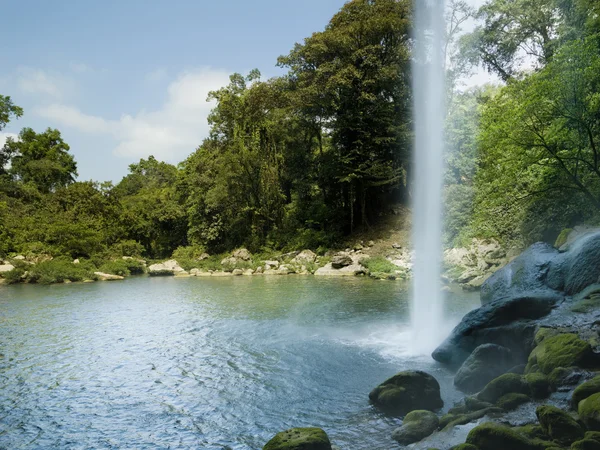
x,y
201,363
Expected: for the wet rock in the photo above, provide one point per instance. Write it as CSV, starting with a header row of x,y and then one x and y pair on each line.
x,y
539,385
559,425
512,401
492,436
299,439
568,377
505,384
341,260
585,390
589,412
406,392
586,444
564,350
416,426
487,362
510,323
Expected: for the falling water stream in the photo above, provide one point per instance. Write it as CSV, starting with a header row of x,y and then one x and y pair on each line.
x,y
428,85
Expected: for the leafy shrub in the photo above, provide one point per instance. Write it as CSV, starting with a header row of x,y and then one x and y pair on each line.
x,y
378,264
123,267
57,271
14,276
126,248
213,262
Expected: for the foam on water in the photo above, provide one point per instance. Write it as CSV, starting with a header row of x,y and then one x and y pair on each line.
x,y
428,88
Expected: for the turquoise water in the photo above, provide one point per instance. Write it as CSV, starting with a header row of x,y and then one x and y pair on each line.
x,y
154,363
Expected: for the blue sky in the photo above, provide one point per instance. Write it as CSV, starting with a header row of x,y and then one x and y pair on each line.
x,y
124,79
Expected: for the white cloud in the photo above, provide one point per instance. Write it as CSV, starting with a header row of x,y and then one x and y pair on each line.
x,y
35,81
3,137
169,133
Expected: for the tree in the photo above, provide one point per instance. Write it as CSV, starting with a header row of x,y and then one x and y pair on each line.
x,y
8,110
41,159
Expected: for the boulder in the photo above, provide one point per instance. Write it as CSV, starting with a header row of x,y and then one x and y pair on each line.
x,y
585,390
581,264
585,444
559,425
512,401
406,392
539,385
305,257
589,412
416,426
566,377
348,271
505,384
242,254
237,272
493,436
525,274
563,350
108,276
299,439
274,264
6,268
510,323
487,362
167,268
341,260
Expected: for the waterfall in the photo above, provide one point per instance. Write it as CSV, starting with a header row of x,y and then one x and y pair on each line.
x,y
429,93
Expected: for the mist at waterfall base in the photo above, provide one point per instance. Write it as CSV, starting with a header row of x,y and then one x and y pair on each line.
x,y
428,91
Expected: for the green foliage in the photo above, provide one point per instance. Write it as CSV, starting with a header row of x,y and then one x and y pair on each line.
x,y
378,264
14,276
123,267
57,271
8,110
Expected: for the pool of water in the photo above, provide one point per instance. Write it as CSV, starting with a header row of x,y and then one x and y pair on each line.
x,y
155,363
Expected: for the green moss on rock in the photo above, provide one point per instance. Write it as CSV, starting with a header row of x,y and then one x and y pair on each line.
x,y
539,385
492,436
447,423
559,425
589,412
464,447
407,391
504,384
512,401
545,333
586,305
594,435
564,350
299,439
584,390
586,444
562,237
416,426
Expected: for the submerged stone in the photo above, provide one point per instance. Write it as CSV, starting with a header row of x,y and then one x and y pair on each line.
x,y
406,392
299,439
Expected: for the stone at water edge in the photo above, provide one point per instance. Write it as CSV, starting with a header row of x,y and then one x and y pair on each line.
x,y
167,268
487,362
299,439
407,391
492,436
416,426
108,276
510,323
589,412
585,390
505,384
559,425
341,260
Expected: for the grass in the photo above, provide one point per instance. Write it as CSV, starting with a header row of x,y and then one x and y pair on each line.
x,y
379,265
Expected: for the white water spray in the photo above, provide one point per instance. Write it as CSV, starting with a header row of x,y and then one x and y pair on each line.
x,y
429,92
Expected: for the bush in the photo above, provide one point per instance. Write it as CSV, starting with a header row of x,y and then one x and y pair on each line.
x,y
14,276
126,248
123,267
379,264
57,271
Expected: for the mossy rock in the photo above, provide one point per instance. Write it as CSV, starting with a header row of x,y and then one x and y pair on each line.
x,y
512,401
586,305
564,350
594,435
533,431
474,404
299,439
447,423
492,436
584,390
539,385
562,237
407,391
589,412
559,425
586,444
464,447
504,384
545,333
416,426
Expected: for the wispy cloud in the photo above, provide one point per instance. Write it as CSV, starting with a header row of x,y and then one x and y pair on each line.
x,y
35,81
169,133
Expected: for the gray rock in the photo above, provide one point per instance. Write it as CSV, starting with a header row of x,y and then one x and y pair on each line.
x,y
416,426
242,254
487,362
108,276
167,268
510,323
6,268
407,391
304,257
237,272
341,260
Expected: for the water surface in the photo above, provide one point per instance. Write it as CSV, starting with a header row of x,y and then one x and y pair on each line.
x,y
154,363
